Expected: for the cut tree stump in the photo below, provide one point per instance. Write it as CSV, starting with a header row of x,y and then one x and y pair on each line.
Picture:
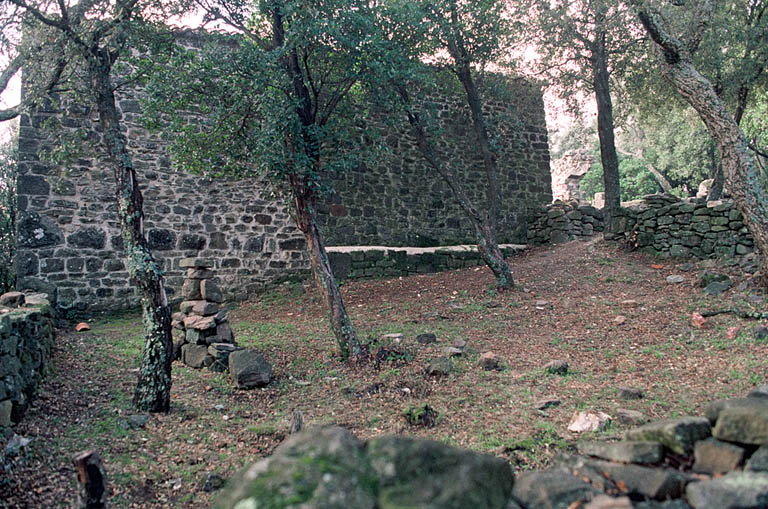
x,y
92,479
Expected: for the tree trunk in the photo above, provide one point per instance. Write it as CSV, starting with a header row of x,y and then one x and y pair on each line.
x,y
486,227
743,182
92,479
304,200
341,325
487,246
608,157
153,390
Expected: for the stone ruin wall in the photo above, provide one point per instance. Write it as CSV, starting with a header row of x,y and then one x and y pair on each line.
x,y
68,235
402,202
567,173
659,224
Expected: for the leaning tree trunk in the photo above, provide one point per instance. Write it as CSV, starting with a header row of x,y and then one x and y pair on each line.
x,y
341,325
486,228
608,156
742,179
153,389
487,246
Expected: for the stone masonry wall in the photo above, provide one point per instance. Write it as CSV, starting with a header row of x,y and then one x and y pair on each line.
x,y
68,236
403,202
658,224
26,340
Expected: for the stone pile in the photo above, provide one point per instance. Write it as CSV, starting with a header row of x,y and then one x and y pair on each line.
x,y
712,462
208,340
564,221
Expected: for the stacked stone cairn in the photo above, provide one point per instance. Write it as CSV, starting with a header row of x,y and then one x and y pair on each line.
x,y
716,461
208,341
208,338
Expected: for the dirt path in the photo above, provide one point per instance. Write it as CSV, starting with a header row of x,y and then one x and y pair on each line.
x,y
569,307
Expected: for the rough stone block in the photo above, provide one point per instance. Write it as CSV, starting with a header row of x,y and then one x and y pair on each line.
x,y
205,308
715,457
198,263
194,355
210,291
190,290
624,452
679,435
248,369
736,489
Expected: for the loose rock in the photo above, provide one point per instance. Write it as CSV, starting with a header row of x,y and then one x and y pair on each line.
x,y
441,366
630,393
426,338
582,422
556,367
249,369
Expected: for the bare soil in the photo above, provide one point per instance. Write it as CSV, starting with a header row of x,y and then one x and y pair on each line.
x,y
568,307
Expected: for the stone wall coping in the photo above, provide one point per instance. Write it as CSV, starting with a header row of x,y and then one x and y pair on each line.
x,y
420,250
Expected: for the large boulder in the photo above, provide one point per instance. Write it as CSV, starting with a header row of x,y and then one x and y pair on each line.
x,y
428,474
318,468
330,468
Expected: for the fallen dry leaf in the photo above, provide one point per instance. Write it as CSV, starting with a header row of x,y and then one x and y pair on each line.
x,y
82,326
732,332
657,266
698,320
620,319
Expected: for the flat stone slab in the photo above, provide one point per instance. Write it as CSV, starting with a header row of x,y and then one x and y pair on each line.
x,y
745,490
652,483
461,248
624,452
556,488
678,435
196,263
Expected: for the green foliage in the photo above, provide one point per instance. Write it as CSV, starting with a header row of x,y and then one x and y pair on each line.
x,y
251,118
7,217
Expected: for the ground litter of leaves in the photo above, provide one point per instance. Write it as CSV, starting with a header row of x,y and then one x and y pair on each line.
x,y
610,314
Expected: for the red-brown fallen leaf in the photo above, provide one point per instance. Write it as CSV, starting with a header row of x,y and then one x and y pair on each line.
x,y
732,332
698,320
82,326
620,319
657,266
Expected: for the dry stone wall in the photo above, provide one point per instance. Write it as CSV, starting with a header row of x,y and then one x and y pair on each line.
x,y
658,224
26,341
68,234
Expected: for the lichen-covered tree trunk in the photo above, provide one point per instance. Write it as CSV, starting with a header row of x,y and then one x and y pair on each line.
x,y
741,177
350,346
153,389
605,133
486,239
